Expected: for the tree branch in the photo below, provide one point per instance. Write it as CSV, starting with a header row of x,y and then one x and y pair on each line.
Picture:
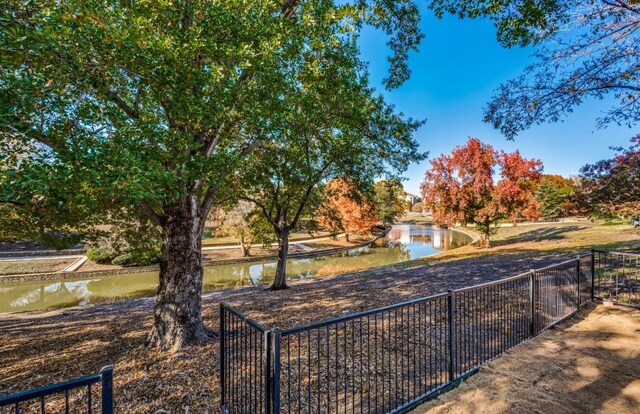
x,y
157,219
207,203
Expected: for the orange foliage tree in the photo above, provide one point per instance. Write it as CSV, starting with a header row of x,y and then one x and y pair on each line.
x,y
346,209
461,188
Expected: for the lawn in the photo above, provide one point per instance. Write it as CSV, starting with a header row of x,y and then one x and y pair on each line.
x,y
36,266
42,347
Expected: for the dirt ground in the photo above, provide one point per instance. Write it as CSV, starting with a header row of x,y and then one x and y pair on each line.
x,y
588,364
38,348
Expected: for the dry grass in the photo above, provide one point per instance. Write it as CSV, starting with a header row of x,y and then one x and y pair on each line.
x,y
35,266
589,364
42,347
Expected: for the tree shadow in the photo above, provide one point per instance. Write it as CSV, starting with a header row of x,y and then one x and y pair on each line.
x,y
540,234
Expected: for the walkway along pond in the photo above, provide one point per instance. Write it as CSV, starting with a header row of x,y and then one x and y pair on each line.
x,y
404,242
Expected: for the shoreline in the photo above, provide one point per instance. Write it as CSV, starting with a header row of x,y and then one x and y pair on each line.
x,y
50,276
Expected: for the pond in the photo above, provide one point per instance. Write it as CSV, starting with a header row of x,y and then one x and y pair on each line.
x,y
404,242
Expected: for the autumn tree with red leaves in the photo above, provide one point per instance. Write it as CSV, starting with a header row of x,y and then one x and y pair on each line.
x,y
346,209
515,192
460,188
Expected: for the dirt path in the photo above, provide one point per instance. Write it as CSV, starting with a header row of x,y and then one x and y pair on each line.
x,y
589,364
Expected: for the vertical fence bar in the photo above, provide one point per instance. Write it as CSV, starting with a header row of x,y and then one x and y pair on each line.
x,y
593,274
106,379
452,349
532,303
277,341
578,283
268,390
222,357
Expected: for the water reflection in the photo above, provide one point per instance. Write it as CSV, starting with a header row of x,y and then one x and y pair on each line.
x,y
403,243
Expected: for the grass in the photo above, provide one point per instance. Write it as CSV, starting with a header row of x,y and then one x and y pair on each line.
x,y
28,267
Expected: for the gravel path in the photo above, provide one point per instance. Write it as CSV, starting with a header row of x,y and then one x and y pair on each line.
x,y
589,364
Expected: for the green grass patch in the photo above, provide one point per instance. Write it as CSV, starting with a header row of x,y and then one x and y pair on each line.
x,y
27,267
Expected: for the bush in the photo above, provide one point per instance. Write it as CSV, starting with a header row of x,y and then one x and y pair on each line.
x,y
100,254
125,259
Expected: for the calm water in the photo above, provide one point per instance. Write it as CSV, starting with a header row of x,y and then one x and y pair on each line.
x,y
404,242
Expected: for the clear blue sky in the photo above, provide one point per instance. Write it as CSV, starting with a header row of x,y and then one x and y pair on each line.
x,y
454,74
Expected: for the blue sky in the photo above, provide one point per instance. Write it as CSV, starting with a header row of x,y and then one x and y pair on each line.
x,y
454,74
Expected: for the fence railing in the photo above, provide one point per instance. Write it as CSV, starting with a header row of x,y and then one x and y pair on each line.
x,y
68,394
389,359
617,276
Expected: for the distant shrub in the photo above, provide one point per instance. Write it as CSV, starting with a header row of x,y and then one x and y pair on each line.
x,y
100,254
136,258
125,259
417,208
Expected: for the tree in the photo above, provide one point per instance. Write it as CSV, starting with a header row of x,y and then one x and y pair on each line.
x,y
590,50
515,192
388,201
460,187
146,105
237,222
554,194
345,208
612,187
331,125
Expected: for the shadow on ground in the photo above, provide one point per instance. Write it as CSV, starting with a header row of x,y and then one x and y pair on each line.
x,y
590,364
540,234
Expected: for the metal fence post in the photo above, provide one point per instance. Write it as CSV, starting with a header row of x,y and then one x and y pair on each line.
x,y
532,302
106,379
578,273
277,339
452,338
593,275
268,391
222,357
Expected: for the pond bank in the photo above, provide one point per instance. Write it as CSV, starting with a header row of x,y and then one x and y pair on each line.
x,y
403,243
70,275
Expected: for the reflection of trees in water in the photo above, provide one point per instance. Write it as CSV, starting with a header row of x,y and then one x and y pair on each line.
x,y
242,275
55,294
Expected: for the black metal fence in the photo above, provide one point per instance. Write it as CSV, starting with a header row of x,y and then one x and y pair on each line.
x,y
389,359
617,276
76,395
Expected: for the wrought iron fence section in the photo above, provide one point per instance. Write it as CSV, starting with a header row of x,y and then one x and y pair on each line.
x,y
556,294
245,363
586,266
388,359
489,319
70,394
617,276
372,362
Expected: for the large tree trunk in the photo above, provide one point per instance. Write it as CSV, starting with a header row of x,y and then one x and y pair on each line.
x,y
177,313
280,281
